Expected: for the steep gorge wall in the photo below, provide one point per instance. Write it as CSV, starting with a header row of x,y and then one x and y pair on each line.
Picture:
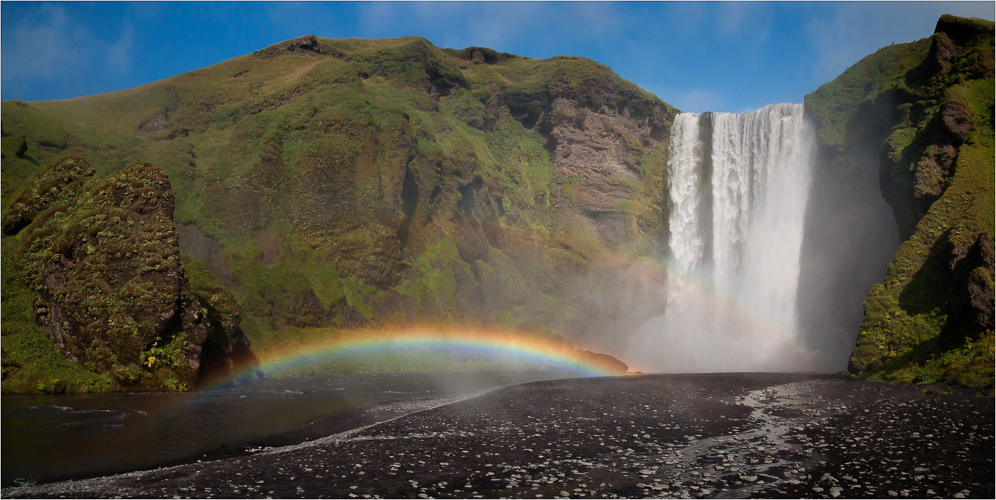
x,y
924,112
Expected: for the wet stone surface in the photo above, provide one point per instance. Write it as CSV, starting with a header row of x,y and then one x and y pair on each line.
x,y
684,436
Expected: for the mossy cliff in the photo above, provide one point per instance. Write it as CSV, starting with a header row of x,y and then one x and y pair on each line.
x,y
926,110
96,261
324,185
330,184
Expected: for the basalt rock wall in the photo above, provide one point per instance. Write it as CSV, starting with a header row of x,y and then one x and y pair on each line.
x,y
922,113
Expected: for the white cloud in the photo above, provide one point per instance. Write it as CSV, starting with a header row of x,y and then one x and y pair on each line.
x,y
593,19
519,27
840,40
118,53
488,25
51,47
38,50
732,18
850,31
373,17
690,101
685,19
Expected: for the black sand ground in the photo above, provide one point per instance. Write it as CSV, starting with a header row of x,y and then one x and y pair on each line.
x,y
726,435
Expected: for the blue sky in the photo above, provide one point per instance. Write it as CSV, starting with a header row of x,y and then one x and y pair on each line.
x,y
697,56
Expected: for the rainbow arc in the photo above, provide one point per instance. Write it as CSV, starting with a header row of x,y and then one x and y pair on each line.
x,y
501,349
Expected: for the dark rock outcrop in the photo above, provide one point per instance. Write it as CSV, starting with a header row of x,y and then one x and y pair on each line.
x,y
969,277
604,362
160,120
54,186
608,362
102,260
300,46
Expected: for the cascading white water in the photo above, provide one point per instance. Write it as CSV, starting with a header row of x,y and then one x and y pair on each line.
x,y
762,167
739,185
687,248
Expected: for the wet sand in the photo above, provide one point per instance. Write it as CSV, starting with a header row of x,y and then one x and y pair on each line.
x,y
712,436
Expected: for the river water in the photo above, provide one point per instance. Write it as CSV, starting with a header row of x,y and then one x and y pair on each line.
x,y
55,437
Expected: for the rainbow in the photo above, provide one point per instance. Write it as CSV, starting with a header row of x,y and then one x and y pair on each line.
x,y
504,349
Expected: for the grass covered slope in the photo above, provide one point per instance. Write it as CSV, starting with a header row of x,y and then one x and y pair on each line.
x,y
335,183
927,108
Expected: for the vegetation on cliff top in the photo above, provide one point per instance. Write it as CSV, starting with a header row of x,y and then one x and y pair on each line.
x,y
930,103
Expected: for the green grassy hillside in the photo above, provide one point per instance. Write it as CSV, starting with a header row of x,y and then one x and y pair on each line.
x,y
330,184
927,108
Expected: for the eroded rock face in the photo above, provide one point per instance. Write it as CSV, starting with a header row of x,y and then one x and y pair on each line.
x,y
211,310
54,186
969,275
598,133
956,35
102,259
602,149
160,120
304,45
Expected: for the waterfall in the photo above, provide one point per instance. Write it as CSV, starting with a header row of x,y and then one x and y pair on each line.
x,y
738,185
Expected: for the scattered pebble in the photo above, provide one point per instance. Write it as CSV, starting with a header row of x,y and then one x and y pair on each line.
x,y
734,435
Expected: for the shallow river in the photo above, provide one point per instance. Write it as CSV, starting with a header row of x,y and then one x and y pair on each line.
x,y
54,437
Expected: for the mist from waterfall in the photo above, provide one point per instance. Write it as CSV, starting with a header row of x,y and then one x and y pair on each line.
x,y
739,186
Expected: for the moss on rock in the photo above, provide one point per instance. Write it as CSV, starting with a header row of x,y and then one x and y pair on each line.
x,y
101,260
929,103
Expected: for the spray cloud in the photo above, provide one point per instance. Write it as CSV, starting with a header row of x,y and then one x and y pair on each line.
x,y
739,186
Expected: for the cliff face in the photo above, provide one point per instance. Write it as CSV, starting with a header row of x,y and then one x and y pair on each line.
x,y
925,110
333,183
101,263
327,184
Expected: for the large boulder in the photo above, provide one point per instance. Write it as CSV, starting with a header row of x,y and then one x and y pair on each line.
x,y
101,259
